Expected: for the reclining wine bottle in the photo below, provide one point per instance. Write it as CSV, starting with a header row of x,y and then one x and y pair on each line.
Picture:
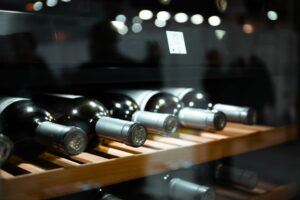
x,y
235,176
26,123
93,118
101,195
124,107
180,189
194,99
161,102
6,148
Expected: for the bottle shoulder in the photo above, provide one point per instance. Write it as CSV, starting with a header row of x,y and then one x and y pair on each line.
x,y
164,103
195,99
26,109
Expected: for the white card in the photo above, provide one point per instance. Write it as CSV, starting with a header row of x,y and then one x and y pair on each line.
x,y
176,42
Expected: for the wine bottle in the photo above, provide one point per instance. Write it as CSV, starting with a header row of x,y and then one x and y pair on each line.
x,y
101,195
124,107
180,189
26,123
235,176
6,148
161,102
93,118
194,99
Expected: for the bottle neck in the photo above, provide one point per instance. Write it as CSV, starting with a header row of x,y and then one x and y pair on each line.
x,y
237,114
181,189
63,139
158,123
202,119
130,133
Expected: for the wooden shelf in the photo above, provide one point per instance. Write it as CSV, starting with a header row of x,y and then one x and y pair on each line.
x,y
113,162
263,191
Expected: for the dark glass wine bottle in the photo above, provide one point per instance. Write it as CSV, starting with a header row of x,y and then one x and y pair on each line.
x,y
180,189
6,148
161,102
194,99
124,107
26,123
217,172
101,195
235,176
93,118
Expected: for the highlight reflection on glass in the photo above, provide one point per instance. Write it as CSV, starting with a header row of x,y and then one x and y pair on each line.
x,y
160,23
197,19
145,14
136,28
51,3
214,21
121,18
181,17
37,6
272,15
163,15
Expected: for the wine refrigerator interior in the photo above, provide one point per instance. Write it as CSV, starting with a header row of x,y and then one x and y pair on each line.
x,y
161,99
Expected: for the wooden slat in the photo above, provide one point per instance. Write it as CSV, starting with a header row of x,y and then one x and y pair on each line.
x,y
265,185
64,181
171,140
58,160
278,193
112,151
158,145
255,191
5,174
213,135
25,165
204,134
231,194
194,138
275,192
249,127
85,157
235,132
129,149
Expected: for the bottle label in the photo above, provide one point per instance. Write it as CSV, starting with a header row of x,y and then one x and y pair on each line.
x,y
6,101
176,42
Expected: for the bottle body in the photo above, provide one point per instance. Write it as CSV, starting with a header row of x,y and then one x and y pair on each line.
x,y
161,102
93,117
184,190
25,123
124,107
6,148
235,176
195,99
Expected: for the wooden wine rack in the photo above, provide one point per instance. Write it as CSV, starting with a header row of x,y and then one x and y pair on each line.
x,y
114,162
263,191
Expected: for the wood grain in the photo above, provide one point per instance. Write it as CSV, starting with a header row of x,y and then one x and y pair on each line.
x,y
129,149
5,174
171,140
112,151
128,166
58,160
85,157
25,165
158,145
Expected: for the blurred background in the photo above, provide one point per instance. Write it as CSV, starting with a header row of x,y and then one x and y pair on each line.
x,y
243,52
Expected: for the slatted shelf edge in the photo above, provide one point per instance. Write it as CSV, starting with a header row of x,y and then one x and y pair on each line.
x,y
263,191
113,162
